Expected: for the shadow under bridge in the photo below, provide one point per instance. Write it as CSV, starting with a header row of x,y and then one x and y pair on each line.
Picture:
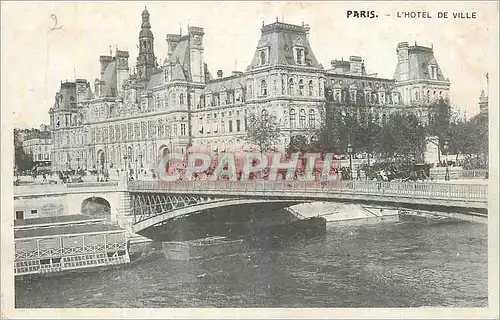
x,y
157,210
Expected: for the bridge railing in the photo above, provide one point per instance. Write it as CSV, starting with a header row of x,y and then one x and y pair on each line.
x,y
474,174
435,190
93,184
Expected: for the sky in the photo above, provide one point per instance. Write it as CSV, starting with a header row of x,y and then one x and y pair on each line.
x,y
36,59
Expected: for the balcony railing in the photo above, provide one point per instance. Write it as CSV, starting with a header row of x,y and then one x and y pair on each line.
x,y
403,189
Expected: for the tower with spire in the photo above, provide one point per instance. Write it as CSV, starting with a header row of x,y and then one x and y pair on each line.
x,y
146,60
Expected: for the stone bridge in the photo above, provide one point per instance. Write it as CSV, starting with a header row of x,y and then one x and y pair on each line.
x,y
63,199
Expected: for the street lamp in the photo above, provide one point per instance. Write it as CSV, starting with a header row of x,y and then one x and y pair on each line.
x,y
349,151
445,149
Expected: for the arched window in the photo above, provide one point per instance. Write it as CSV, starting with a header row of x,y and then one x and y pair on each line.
x,y
302,118
263,114
263,88
310,88
384,119
181,99
301,87
262,57
292,118
290,87
312,118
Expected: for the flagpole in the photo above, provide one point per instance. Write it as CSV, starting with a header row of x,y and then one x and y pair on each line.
x,y
487,84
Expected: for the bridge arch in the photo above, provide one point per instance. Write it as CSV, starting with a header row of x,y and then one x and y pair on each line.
x,y
210,205
96,207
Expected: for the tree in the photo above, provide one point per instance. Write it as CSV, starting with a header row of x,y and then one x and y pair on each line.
x,y
23,161
299,143
439,122
327,133
263,131
402,137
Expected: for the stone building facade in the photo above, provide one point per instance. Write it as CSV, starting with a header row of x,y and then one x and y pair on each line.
x,y
132,117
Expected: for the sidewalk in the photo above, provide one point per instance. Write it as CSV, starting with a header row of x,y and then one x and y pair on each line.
x,y
462,181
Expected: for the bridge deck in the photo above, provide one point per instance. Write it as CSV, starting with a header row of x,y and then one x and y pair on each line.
x,y
454,195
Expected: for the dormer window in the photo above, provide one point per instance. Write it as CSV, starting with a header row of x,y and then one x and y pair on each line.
x,y
299,52
433,72
264,56
299,56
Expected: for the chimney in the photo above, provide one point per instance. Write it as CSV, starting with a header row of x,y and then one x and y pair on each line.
x,y
356,65
307,28
172,41
219,73
104,60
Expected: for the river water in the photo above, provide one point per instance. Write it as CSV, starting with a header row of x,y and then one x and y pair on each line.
x,y
378,265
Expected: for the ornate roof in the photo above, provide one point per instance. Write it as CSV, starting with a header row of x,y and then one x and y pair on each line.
x,y
420,58
281,39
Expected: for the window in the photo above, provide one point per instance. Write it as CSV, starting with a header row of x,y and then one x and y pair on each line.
x,y
263,114
230,125
310,88
416,96
283,85
290,87
312,118
222,126
183,129
19,215
299,55
262,57
263,88
144,130
301,87
34,212
433,70
292,118
238,129
181,99
302,118
246,127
